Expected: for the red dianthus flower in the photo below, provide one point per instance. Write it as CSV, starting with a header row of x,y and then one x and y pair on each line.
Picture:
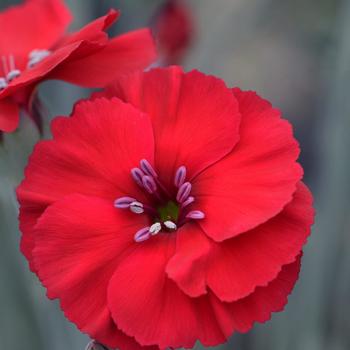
x,y
34,47
169,211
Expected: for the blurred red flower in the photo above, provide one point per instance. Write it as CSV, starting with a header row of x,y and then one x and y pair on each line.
x,y
35,47
169,211
173,29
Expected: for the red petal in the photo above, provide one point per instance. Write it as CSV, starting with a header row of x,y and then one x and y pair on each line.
x,y
87,253
37,24
257,307
234,268
94,31
237,266
146,304
172,319
88,41
256,180
188,267
42,69
123,54
9,115
91,153
183,107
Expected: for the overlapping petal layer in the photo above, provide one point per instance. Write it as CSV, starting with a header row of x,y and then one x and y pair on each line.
x,y
170,318
194,117
88,252
257,179
85,157
133,50
234,268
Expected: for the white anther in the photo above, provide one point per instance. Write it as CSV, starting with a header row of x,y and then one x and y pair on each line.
x,y
3,83
136,207
170,225
155,228
37,56
13,74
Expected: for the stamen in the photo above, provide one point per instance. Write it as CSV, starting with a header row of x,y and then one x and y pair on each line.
x,y
183,192
195,214
187,202
149,184
3,84
155,228
137,174
142,235
170,225
136,207
180,176
12,62
124,202
4,65
13,73
147,168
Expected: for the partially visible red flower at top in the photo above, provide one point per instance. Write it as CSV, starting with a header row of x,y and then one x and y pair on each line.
x,y
173,30
34,46
169,212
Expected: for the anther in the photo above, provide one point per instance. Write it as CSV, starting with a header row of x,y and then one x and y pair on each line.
x,y
3,84
195,214
180,176
124,202
183,192
136,207
149,184
142,235
170,225
137,174
147,168
187,202
155,228
37,56
13,74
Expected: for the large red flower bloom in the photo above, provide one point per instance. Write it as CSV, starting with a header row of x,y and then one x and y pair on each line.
x,y
35,47
169,211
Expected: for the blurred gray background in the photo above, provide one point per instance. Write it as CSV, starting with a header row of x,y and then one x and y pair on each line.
x,y
296,53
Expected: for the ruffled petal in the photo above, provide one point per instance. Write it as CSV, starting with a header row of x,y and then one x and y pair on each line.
x,y
86,42
91,153
9,115
195,117
234,268
256,180
258,306
43,68
172,319
188,266
94,31
123,54
36,24
87,253
237,266
146,304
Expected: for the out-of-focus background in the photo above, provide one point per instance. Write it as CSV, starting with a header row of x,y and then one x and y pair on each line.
x,y
296,53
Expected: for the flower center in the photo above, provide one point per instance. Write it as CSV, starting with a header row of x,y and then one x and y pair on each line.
x,y
10,70
170,207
